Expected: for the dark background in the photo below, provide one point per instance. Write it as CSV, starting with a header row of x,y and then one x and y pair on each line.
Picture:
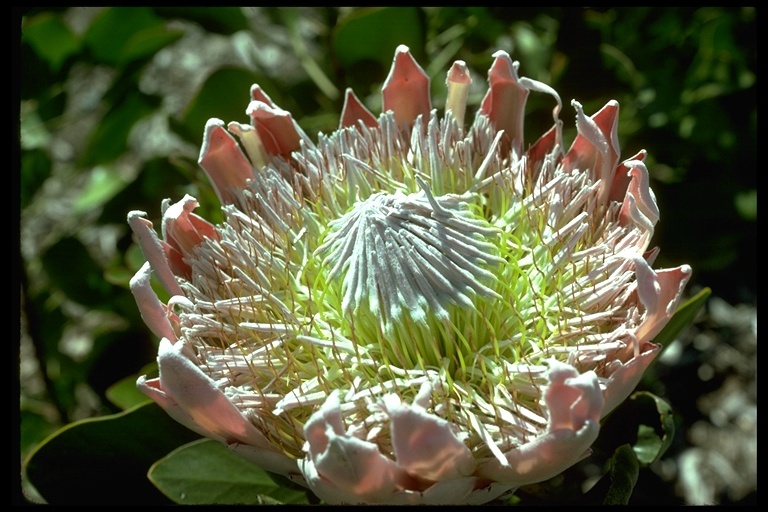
x,y
113,102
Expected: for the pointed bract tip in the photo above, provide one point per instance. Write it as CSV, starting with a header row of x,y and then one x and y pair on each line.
x,y
223,161
406,89
354,111
459,73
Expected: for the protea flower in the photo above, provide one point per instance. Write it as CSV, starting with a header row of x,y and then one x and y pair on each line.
x,y
408,310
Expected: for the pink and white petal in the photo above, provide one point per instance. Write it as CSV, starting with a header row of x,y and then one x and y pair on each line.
x,y
324,489
357,468
541,149
184,230
651,254
340,467
258,94
626,377
153,250
151,388
596,146
424,445
660,292
535,85
153,312
545,457
572,399
621,177
631,214
447,492
354,112
504,103
222,160
640,188
275,127
176,261
200,401
406,90
574,402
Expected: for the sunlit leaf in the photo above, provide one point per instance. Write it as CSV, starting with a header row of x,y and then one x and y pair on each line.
x,y
206,472
103,184
104,461
124,393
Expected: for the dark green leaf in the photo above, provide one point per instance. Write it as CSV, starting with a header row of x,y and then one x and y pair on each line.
x,y
224,20
206,472
109,139
110,33
34,428
104,461
224,96
373,34
72,270
654,439
51,38
147,42
682,318
35,169
622,473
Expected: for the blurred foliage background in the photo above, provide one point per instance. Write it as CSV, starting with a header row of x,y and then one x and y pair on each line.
x,y
113,102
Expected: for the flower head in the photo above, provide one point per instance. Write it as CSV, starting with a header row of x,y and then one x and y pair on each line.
x,y
409,310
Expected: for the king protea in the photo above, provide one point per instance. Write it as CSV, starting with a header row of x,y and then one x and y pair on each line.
x,y
408,310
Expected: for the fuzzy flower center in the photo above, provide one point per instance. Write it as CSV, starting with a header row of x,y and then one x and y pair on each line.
x,y
408,260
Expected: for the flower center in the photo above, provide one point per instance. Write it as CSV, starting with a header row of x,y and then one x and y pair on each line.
x,y
404,263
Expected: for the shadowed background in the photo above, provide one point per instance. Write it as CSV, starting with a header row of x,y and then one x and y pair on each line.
x,y
113,102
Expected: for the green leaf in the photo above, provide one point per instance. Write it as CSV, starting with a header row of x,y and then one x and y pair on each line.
x,y
35,169
124,393
206,472
104,461
34,427
51,38
147,42
110,34
622,472
103,184
653,440
72,270
223,20
109,140
682,318
374,33
224,96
